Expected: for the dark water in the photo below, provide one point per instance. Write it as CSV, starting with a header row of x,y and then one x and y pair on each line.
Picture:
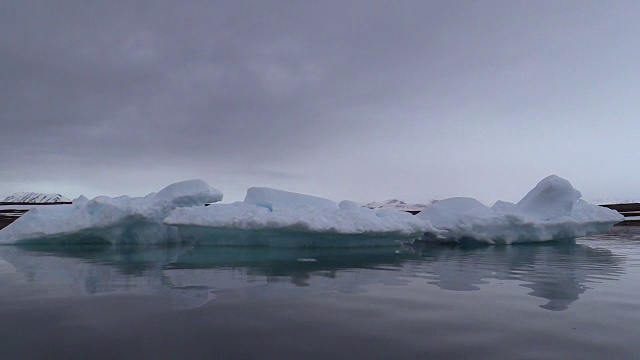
x,y
577,300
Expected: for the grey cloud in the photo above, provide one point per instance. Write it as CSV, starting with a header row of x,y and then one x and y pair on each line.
x,y
225,77
252,84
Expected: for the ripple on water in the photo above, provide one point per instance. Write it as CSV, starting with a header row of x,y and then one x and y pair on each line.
x,y
561,300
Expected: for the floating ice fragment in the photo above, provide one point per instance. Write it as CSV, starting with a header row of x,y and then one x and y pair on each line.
x,y
550,211
553,197
116,220
270,217
275,200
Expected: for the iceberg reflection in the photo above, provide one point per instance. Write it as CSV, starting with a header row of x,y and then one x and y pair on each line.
x,y
557,271
193,276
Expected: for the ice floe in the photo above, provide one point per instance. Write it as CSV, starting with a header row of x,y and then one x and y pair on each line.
x,y
120,219
270,217
553,210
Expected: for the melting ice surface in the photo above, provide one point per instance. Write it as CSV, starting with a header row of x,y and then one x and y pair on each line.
x,y
268,217
552,210
120,220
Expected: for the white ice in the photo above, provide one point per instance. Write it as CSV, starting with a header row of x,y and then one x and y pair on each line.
x,y
121,219
273,199
553,210
269,217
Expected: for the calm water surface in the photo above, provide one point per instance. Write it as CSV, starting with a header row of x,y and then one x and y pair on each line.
x,y
575,300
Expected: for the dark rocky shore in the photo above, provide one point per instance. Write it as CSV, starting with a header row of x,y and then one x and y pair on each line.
x,y
9,215
627,210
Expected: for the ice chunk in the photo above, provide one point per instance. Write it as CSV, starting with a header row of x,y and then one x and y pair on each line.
x,y
550,211
121,219
187,193
80,201
271,217
457,211
348,205
274,199
553,197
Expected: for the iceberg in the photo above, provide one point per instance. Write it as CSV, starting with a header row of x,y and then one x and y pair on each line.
x,y
115,220
271,217
552,210
273,199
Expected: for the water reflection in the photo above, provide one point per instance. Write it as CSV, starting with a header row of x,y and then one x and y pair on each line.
x,y
192,276
558,272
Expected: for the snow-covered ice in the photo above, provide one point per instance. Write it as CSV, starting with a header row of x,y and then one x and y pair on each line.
x,y
273,199
268,217
116,220
552,210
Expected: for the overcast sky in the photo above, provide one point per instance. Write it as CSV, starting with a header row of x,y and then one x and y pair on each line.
x,y
362,100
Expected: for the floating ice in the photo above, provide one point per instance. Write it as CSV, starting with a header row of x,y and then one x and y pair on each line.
x,y
550,211
273,199
121,219
269,217
553,197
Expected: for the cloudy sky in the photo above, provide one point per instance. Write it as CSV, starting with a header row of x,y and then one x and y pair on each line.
x,y
362,100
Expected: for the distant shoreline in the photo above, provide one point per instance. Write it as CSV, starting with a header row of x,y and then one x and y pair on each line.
x,y
631,212
9,214
33,204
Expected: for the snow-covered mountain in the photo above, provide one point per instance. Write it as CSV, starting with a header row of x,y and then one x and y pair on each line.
x,y
613,201
35,198
395,204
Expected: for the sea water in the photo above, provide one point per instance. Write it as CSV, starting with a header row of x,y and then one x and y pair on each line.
x,y
564,300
